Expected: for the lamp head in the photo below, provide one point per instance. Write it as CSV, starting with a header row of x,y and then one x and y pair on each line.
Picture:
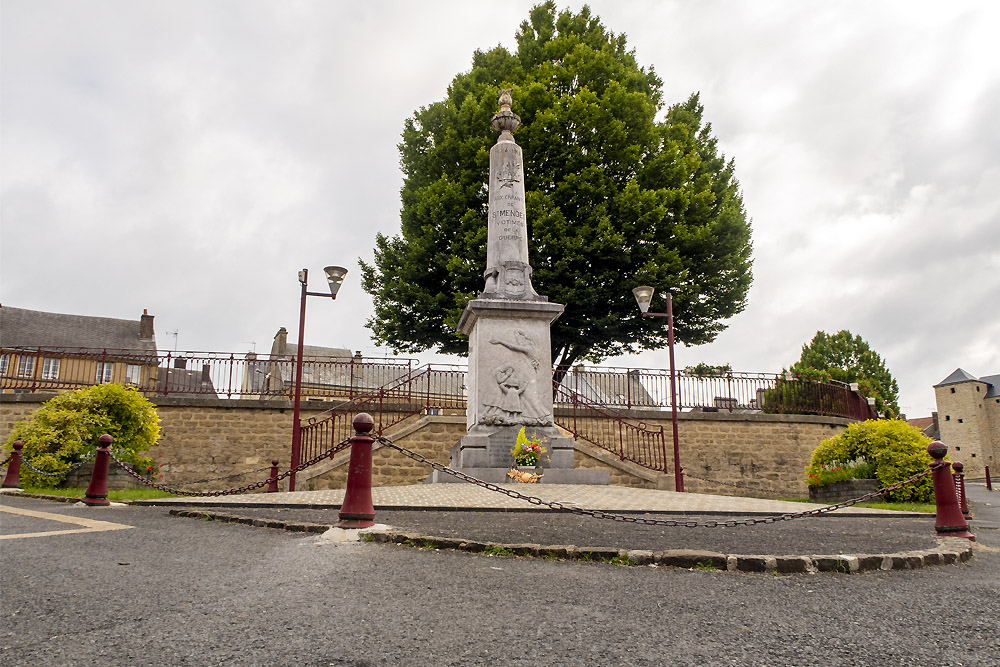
x,y
335,276
643,296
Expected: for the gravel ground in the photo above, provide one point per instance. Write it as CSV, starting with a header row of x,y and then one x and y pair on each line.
x,y
826,535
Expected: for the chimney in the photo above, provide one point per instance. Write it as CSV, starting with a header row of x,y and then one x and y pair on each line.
x,y
280,346
180,362
146,327
206,375
357,355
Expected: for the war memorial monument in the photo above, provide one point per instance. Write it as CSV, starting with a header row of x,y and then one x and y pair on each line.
x,y
510,356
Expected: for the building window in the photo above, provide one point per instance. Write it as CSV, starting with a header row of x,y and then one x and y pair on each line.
x,y
133,373
947,418
50,369
25,366
104,369
4,363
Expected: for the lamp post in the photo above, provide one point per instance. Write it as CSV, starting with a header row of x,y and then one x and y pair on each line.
x,y
334,276
644,296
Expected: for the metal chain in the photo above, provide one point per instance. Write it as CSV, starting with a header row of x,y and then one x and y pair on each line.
x,y
599,514
238,490
6,460
58,474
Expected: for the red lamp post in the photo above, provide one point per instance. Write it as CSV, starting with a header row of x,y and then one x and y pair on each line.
x,y
644,296
334,276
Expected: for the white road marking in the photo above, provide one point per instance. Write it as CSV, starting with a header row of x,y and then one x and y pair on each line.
x,y
89,525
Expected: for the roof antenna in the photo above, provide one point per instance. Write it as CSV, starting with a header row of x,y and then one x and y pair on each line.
x,y
174,333
250,342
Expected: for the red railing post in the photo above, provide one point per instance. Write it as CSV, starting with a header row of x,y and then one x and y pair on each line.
x,y
959,476
357,510
13,478
272,486
989,483
950,522
97,491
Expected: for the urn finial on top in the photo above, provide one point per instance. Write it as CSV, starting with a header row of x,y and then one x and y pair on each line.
x,y
505,120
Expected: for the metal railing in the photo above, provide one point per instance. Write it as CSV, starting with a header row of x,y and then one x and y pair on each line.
x,y
338,379
611,430
193,373
424,390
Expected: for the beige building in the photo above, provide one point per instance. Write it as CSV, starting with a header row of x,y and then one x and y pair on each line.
x,y
968,410
42,351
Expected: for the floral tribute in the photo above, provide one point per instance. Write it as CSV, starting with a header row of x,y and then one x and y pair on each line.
x,y
527,451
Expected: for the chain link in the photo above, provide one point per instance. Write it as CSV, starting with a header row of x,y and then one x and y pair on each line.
x,y
238,490
599,514
43,473
6,460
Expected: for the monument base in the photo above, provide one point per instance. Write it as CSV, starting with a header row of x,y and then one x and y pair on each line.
x,y
485,453
592,476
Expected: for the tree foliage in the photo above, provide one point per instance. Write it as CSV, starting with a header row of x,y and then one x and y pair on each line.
x,y
615,199
848,358
897,450
66,428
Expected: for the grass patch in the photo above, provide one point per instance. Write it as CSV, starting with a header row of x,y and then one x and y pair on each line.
x,y
706,565
929,508
498,550
623,560
549,554
116,495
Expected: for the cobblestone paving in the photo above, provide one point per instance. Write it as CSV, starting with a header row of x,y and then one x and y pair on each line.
x,y
468,496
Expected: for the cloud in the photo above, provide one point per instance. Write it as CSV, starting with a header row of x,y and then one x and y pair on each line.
x,y
190,157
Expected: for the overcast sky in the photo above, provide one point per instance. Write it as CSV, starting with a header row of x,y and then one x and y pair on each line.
x,y
188,157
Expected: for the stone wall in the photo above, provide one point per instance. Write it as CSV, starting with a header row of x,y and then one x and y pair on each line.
x,y
722,453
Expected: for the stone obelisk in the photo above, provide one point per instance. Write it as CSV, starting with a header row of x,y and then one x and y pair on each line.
x,y
510,356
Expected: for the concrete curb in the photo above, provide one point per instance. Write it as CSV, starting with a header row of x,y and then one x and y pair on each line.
x,y
949,551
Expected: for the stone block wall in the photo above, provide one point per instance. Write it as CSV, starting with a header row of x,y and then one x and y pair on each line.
x,y
722,453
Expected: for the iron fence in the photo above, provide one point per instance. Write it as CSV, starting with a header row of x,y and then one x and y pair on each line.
x,y
339,379
192,373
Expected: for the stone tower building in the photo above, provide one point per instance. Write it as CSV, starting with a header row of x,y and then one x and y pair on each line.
x,y
969,418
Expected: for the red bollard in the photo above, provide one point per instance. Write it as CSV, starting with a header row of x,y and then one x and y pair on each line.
x,y
272,486
950,522
13,478
97,491
960,488
989,484
357,511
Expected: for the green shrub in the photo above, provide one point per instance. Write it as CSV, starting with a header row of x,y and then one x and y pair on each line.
x,y
895,449
66,428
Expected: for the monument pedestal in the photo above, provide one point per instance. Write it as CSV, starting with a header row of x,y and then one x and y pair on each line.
x,y
510,387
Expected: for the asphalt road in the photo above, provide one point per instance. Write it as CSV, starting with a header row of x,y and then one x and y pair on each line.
x,y
179,591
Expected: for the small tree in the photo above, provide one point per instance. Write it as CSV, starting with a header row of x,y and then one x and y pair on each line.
x,y
897,450
848,358
65,430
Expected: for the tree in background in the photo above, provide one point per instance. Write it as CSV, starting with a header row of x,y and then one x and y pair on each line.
x,y
615,199
848,358
66,428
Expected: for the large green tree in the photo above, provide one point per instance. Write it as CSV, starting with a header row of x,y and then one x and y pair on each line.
x,y
615,199
847,357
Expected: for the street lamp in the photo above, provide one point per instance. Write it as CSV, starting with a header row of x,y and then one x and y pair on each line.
x,y
644,296
335,277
